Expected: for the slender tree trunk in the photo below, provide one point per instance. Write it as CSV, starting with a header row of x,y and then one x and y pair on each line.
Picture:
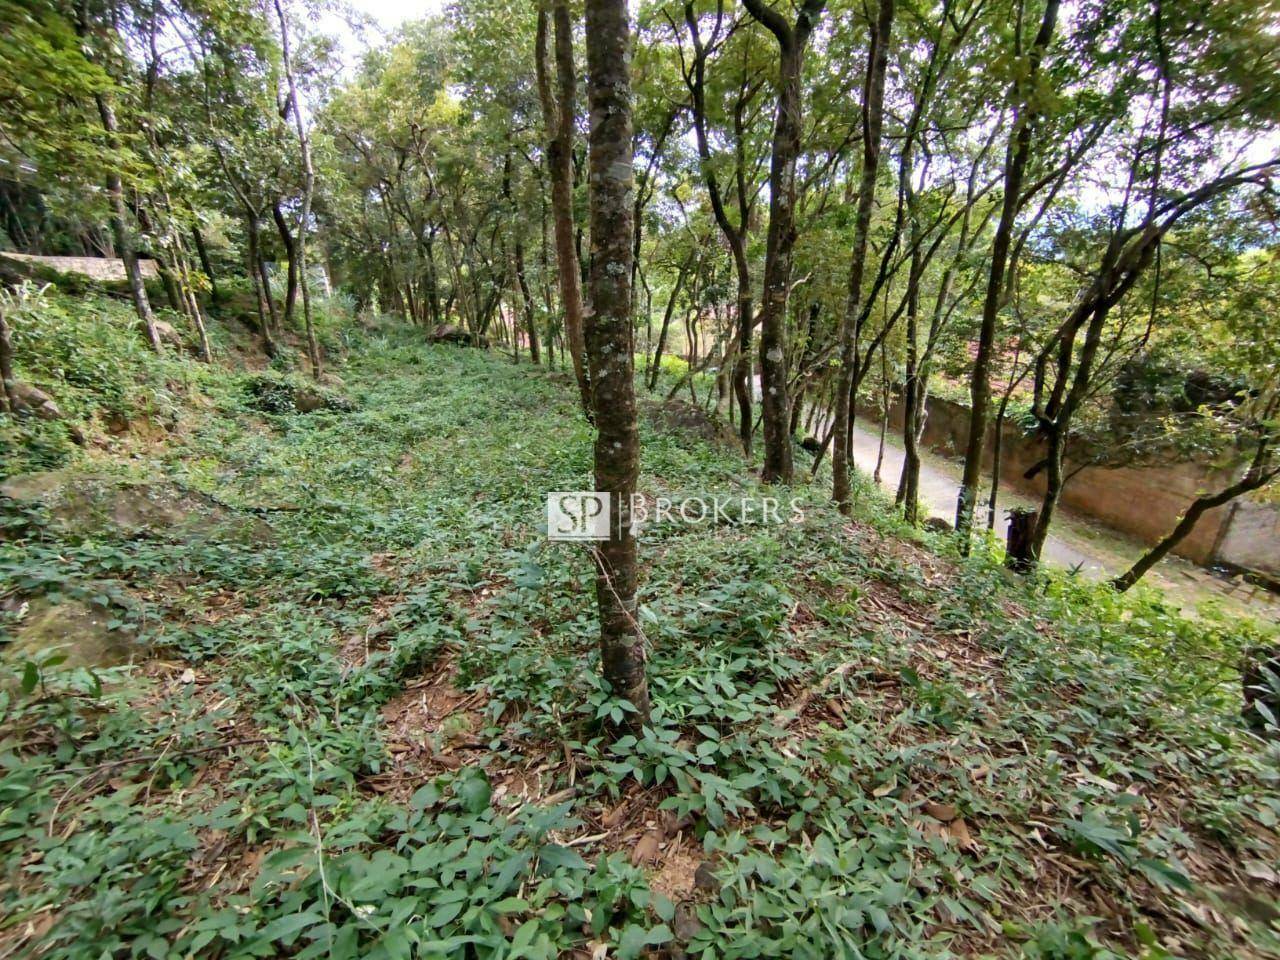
x,y
291,253
9,393
872,123
308,189
884,411
1016,156
792,41
656,366
261,287
121,235
203,253
558,117
617,446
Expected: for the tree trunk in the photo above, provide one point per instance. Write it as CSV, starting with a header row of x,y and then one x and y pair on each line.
x,y
261,287
1020,553
205,265
1016,156
617,446
558,117
121,235
656,367
9,393
291,252
308,188
872,122
792,41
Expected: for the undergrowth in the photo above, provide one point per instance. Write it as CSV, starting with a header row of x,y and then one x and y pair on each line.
x,y
872,747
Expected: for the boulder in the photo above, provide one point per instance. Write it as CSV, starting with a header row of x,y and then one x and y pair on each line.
x,y
78,629
452,333
34,401
938,525
88,506
168,335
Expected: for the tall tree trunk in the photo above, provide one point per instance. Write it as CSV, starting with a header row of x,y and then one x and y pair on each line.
x,y
617,446
121,234
308,189
261,286
1016,156
792,41
656,367
291,253
872,124
203,253
735,237
558,110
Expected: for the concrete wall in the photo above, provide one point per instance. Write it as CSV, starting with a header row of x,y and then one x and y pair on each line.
x,y
1144,502
1252,538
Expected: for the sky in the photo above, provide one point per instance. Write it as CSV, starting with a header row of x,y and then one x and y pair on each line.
x,y
391,13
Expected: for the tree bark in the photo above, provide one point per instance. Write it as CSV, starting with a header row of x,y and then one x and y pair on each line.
x,y
872,123
558,111
308,189
1016,156
291,252
735,237
792,41
121,235
609,348
203,253
261,286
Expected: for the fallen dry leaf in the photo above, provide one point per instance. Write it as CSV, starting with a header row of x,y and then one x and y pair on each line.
x,y
646,848
958,830
946,812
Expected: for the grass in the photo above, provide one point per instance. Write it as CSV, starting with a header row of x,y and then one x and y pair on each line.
x,y
380,732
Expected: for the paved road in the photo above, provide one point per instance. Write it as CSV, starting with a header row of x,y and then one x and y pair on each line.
x,y
1075,541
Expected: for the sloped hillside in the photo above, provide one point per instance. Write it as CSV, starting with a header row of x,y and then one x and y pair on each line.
x,y
362,714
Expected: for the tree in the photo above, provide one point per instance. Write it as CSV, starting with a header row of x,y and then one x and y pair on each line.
x,y
558,112
308,188
1016,157
610,347
792,41
872,120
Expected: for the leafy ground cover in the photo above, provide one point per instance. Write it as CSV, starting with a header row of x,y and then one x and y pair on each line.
x,y
376,729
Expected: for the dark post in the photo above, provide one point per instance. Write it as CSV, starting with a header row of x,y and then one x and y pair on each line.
x,y
1019,553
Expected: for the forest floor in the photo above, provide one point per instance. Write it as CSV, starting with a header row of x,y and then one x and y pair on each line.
x,y
363,714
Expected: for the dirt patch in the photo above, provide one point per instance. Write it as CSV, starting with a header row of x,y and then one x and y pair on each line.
x,y
429,728
683,418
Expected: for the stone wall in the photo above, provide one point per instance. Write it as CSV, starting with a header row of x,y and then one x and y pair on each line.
x,y
1144,502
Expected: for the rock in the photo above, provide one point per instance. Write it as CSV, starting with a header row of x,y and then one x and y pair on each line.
x,y
938,525
168,335
34,401
308,400
704,878
75,628
811,444
88,506
686,925
679,417
452,333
